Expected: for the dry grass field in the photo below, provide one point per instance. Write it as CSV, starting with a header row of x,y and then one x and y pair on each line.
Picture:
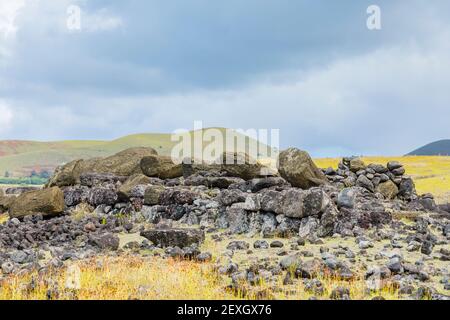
x,y
153,278
120,278
147,276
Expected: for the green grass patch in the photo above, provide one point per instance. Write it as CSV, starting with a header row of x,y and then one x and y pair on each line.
x,y
26,181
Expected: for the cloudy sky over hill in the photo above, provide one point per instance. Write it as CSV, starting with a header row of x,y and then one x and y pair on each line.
x,y
309,68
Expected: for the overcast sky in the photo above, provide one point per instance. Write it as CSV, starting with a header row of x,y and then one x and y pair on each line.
x,y
309,68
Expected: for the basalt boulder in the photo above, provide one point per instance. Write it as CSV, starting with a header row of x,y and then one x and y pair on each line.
x,y
174,237
407,189
392,165
107,241
271,201
231,196
295,203
94,179
102,195
292,203
161,167
315,202
347,197
47,202
365,182
153,194
177,196
75,195
125,190
238,222
297,167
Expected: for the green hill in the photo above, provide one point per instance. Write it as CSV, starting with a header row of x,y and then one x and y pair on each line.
x,y
437,148
21,158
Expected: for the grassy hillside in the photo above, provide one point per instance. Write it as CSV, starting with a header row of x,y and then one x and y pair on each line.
x,y
20,158
437,148
430,173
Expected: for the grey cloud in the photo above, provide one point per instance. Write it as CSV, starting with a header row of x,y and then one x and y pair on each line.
x,y
309,68
185,44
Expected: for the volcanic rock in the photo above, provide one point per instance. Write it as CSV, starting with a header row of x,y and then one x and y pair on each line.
x,y
297,167
174,237
47,202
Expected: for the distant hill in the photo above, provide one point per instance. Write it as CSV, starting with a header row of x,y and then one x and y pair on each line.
x,y
437,148
21,158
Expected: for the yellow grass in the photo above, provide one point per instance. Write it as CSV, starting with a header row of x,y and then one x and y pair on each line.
x,y
154,278
147,276
357,288
133,277
430,173
4,217
121,278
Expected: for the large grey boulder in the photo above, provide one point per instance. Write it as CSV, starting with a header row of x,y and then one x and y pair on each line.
x,y
174,237
297,167
365,182
75,195
308,227
315,201
230,196
392,165
107,241
407,189
238,222
102,195
177,196
271,201
328,221
294,203
378,168
153,194
94,179
346,198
